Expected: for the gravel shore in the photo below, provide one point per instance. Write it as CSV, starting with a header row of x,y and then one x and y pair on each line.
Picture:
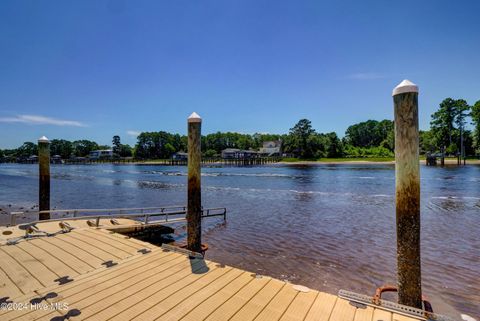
x,y
30,213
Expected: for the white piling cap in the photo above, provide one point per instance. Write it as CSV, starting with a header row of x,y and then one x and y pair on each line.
x,y
194,118
405,86
43,139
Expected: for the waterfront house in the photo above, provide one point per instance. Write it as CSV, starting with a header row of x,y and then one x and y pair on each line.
x,y
56,159
103,153
271,148
32,159
180,156
235,153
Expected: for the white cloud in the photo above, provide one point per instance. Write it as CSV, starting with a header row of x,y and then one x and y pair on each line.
x,y
41,120
133,133
366,76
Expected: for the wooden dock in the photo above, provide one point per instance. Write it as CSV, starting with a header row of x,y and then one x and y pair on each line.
x,y
91,273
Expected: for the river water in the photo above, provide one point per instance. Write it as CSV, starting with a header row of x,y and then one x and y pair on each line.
x,y
329,227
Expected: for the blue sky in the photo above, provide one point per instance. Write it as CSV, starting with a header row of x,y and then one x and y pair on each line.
x,y
93,69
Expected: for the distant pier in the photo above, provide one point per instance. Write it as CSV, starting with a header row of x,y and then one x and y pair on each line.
x,y
180,162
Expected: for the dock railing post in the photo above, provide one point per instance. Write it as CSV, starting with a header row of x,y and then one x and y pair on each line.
x,y
194,204
407,194
44,177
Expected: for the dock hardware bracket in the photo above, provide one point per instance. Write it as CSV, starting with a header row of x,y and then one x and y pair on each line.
x,y
391,306
109,263
32,231
63,280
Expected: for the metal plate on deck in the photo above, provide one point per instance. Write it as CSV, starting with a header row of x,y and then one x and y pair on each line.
x,y
392,306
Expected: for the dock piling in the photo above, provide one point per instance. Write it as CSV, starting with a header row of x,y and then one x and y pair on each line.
x,y
44,177
407,194
194,204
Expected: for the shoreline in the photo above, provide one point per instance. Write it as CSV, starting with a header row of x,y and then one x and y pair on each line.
x,y
31,213
448,162
306,162
326,161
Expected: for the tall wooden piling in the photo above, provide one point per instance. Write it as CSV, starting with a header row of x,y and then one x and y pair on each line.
x,y
194,211
407,193
44,177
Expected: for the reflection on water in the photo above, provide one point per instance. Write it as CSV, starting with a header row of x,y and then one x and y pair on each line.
x,y
325,226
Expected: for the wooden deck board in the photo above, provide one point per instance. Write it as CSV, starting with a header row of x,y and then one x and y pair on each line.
x,y
83,297
231,306
23,278
343,311
101,250
185,298
180,309
38,269
31,314
399,317
200,312
300,306
115,243
50,261
363,314
153,285
8,287
259,301
381,315
119,239
322,307
102,286
128,298
275,309
67,250
157,293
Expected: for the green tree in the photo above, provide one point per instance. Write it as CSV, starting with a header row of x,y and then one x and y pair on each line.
x,y
125,150
300,134
116,144
160,145
210,153
462,110
334,145
475,114
83,147
27,149
448,124
442,123
316,146
427,142
370,133
61,147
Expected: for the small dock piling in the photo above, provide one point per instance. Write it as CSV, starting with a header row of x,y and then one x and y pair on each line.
x,y
194,210
407,194
44,177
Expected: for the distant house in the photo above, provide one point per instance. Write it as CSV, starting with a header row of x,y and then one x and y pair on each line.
x,y
32,159
234,153
271,148
56,159
180,156
103,153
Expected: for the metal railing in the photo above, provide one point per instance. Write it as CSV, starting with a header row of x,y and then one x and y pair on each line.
x,y
129,213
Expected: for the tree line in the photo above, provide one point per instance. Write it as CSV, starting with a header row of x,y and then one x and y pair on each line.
x,y
371,138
